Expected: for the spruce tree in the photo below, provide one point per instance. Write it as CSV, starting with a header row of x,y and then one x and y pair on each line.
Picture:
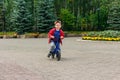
x,y
114,15
45,15
23,23
1,14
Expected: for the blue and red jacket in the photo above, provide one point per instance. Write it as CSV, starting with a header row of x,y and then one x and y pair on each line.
x,y
51,33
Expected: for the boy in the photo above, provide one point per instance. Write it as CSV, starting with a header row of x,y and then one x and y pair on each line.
x,y
55,36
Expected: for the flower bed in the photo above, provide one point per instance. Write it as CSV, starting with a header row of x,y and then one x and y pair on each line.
x,y
103,35
31,35
8,35
101,38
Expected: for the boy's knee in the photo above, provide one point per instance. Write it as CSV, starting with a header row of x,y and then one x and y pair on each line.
x,y
53,47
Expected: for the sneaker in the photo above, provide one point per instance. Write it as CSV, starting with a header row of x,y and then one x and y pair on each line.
x,y
49,55
58,57
53,55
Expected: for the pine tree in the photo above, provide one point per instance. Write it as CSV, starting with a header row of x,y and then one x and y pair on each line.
x,y
1,14
114,15
10,14
23,23
45,15
31,7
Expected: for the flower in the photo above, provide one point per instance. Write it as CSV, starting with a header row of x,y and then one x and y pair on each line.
x,y
101,38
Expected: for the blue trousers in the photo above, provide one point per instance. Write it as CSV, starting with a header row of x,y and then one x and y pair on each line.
x,y
55,47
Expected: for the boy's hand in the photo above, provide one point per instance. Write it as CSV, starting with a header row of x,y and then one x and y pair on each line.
x,y
52,37
61,37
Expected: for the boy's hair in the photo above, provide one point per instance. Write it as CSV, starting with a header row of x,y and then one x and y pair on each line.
x,y
58,21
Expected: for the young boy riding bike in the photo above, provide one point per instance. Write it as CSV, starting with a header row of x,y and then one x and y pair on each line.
x,y
55,36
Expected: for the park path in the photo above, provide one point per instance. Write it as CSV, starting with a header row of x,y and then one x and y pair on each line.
x,y
25,59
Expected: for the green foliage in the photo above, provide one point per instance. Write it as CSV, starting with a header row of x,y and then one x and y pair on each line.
x,y
103,17
83,24
1,15
68,19
23,20
1,22
92,22
45,16
89,14
108,33
11,15
29,15
114,15
79,15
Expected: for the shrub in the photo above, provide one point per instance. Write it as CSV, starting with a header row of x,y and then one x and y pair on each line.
x,y
108,33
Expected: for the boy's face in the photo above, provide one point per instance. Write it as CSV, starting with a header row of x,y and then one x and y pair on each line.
x,y
58,25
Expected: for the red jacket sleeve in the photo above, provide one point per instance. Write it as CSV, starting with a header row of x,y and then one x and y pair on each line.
x,y
62,33
51,33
